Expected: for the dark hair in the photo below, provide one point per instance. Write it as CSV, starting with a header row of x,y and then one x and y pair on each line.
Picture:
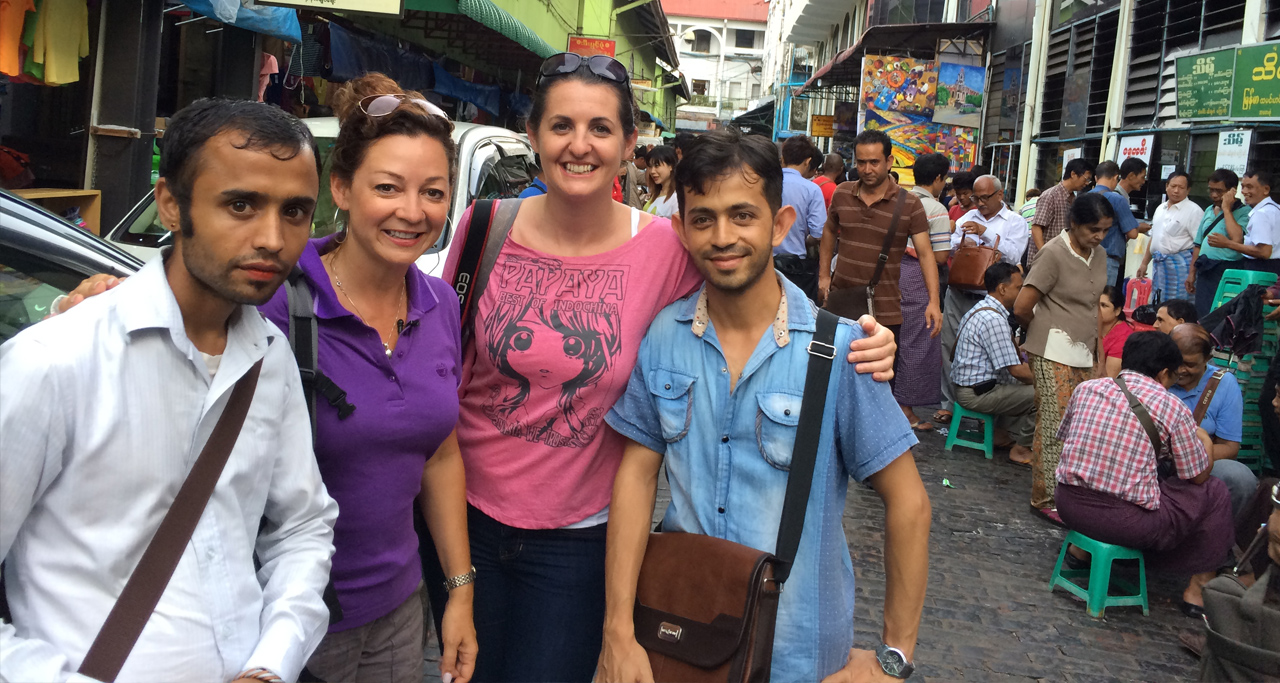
x,y
1033,192
1264,178
1181,309
893,174
980,170
682,141
962,181
359,131
1145,314
1107,169
1089,208
930,167
1178,174
1195,339
795,150
1132,165
1116,296
999,273
641,152
719,153
1149,353
1075,167
664,156
874,137
832,163
265,128
1225,176
627,107
816,160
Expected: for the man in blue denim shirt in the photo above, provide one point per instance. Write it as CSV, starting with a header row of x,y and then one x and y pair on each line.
x,y
717,391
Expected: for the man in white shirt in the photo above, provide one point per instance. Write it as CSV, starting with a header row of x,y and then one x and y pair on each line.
x,y
105,408
1261,244
1173,235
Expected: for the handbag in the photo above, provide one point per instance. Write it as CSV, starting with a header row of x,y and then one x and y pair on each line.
x,y
1242,629
706,607
969,264
120,631
855,301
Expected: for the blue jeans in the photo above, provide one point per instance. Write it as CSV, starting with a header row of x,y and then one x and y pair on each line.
x,y
539,601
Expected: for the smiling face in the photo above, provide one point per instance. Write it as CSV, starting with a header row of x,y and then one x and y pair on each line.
x,y
580,138
398,197
248,220
730,232
1253,191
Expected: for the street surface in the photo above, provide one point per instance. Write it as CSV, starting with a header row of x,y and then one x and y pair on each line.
x,y
988,614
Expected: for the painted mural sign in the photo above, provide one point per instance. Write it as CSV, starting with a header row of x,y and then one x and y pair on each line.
x,y
898,84
960,92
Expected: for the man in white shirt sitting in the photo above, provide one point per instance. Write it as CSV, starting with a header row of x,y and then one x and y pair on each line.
x,y
1173,235
105,408
1261,244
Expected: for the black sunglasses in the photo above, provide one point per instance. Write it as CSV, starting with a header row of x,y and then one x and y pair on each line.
x,y
565,63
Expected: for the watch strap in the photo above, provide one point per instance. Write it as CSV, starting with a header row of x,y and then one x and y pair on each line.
x,y
460,580
885,654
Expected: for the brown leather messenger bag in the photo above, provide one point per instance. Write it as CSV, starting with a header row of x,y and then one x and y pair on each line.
x,y
706,607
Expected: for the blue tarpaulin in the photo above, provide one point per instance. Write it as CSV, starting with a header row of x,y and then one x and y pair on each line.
x,y
278,22
486,97
354,55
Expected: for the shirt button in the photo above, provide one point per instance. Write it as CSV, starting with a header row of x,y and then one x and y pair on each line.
x,y
668,386
724,439
721,510
226,631
787,411
724,369
391,377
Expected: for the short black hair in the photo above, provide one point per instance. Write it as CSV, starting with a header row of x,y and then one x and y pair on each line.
x,y
719,153
999,273
1107,169
1132,165
1149,353
795,150
1225,176
641,152
682,141
930,167
816,159
873,137
1116,296
1181,309
1075,167
1178,174
1264,178
265,127
1089,208
962,181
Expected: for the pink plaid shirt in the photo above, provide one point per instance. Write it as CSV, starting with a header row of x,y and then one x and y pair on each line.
x,y
1106,449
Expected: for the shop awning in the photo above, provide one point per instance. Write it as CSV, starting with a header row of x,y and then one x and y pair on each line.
x,y
757,121
278,22
498,19
897,39
654,117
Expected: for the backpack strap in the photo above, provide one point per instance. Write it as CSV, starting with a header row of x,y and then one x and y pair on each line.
x,y
491,222
304,339
1206,398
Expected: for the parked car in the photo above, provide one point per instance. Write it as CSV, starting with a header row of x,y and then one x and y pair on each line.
x,y
492,163
43,257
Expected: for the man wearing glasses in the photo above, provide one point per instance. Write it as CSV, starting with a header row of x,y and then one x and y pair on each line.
x,y
990,220
1209,261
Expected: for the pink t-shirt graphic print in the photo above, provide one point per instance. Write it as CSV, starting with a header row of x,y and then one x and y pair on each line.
x,y
555,341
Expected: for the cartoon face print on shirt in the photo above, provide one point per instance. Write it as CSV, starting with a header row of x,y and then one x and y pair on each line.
x,y
553,334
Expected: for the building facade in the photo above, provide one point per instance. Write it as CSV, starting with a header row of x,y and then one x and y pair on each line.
x,y
722,46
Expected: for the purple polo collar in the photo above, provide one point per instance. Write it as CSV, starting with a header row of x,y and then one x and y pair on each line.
x,y
421,298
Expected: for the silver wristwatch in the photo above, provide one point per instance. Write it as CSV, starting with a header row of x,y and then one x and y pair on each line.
x,y
894,662
461,580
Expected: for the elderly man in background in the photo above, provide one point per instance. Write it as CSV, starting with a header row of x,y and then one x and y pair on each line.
x,y
1173,235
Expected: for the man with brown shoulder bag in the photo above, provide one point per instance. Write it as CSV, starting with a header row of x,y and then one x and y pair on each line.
x,y
750,578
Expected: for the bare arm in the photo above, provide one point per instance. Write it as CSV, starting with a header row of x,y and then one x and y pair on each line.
x,y
1037,236
1224,450
906,550
1022,373
444,506
929,268
1234,230
1112,366
1024,306
826,251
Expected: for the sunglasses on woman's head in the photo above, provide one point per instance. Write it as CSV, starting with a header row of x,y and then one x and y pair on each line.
x,y
381,105
565,63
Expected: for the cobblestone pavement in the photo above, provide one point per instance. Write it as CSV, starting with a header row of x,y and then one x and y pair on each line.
x,y
989,615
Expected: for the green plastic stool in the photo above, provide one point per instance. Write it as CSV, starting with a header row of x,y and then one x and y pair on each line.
x,y
1101,555
958,413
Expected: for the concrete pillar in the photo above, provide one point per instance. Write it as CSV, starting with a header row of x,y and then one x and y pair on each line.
x,y
1113,119
1254,25
1034,96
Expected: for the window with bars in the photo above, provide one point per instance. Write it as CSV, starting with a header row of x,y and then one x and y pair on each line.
x,y
882,12
1049,165
992,132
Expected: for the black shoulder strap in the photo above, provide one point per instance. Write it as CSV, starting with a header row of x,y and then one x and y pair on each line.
x,y
888,239
477,262
1143,416
304,338
472,252
808,432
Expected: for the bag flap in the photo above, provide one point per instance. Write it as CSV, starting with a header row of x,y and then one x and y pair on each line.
x,y
668,384
696,594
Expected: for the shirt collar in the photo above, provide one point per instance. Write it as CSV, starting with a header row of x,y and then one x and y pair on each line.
x,y
420,297
995,303
792,171
1266,202
889,191
922,193
1066,240
802,317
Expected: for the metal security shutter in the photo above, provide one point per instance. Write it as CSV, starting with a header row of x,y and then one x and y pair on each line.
x,y
995,96
1273,19
1102,52
1146,62
1059,55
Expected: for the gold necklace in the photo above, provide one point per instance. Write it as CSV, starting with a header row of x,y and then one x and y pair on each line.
x,y
399,321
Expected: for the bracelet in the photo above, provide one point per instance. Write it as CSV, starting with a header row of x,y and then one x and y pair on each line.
x,y
260,674
461,580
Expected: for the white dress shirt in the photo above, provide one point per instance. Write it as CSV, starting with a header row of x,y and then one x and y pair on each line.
x,y
1174,226
1010,227
104,410
1264,226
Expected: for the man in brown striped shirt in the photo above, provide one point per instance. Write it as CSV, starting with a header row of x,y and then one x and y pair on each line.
x,y
860,216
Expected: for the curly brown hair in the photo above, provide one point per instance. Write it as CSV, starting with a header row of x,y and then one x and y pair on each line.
x,y
358,130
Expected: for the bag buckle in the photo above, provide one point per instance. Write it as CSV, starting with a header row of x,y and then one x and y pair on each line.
x,y
822,350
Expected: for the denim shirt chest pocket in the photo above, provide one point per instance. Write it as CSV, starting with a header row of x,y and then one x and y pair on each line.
x,y
776,422
673,400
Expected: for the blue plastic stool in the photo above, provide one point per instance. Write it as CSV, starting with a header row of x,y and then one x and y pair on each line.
x,y
958,413
1101,555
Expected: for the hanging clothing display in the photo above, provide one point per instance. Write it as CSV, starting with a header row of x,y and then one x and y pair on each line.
x,y
270,67
12,17
61,39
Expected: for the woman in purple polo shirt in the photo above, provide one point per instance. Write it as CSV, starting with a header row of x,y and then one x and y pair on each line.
x,y
388,335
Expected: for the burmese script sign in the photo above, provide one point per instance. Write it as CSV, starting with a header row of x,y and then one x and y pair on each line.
x,y
1257,85
1204,85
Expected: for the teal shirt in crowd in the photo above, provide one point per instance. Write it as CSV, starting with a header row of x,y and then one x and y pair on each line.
x,y
1202,235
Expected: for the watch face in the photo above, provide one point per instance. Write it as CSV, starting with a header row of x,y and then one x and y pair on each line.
x,y
892,661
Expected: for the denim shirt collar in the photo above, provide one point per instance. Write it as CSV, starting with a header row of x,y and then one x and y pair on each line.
x,y
693,310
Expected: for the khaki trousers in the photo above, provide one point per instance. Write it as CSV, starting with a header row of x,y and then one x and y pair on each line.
x,y
385,650
1014,406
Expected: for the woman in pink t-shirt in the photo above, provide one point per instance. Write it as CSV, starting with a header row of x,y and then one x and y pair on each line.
x,y
556,332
